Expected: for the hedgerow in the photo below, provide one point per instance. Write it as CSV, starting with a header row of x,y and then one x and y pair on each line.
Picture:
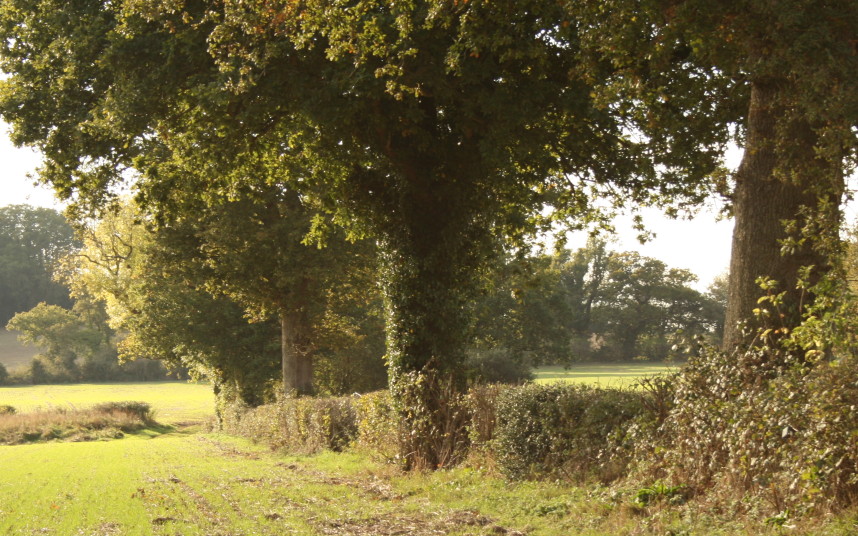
x,y
558,431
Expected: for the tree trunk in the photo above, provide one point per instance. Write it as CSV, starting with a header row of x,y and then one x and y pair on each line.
x,y
296,347
430,261
425,349
778,180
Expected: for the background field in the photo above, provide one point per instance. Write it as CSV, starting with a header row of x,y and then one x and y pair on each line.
x,y
174,402
603,375
181,402
12,353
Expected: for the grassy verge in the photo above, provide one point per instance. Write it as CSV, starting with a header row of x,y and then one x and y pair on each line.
x,y
602,375
172,402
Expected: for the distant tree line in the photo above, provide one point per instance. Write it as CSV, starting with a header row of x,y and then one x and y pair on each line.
x,y
594,304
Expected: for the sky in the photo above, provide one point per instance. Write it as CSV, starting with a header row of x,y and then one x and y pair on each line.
x,y
701,245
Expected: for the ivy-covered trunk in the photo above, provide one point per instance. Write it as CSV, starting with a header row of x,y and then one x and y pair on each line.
x,y
785,201
429,266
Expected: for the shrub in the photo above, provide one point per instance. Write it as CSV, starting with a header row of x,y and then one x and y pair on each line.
x,y
482,402
377,425
38,373
755,427
567,431
6,409
4,374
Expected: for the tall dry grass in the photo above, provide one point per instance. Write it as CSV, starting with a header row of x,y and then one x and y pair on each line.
x,y
105,421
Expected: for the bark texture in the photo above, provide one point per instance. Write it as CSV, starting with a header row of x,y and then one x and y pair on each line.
x,y
779,177
297,358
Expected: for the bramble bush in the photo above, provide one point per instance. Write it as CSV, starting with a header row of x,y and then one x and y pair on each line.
x,y
760,429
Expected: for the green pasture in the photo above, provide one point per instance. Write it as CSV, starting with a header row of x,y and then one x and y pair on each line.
x,y
603,375
13,354
174,402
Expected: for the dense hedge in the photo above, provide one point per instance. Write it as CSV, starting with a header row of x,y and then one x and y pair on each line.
x,y
568,431
300,425
530,431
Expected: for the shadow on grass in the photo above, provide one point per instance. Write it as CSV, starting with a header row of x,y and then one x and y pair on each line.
x,y
155,430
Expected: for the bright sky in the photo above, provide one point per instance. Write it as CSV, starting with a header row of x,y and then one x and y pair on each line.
x,y
701,245
17,164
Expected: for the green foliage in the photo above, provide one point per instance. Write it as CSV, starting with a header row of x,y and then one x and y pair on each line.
x,y
566,431
77,345
63,336
32,240
592,305
659,492
378,425
163,312
251,246
297,425
4,374
766,428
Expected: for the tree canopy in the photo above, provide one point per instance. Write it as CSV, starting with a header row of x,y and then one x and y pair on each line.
x,y
434,128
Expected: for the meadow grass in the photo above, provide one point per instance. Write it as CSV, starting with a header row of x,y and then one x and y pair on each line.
x,y
603,374
173,402
13,354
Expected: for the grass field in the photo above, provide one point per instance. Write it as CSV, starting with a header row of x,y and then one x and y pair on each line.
x,y
207,484
13,354
173,402
216,485
603,375
174,482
